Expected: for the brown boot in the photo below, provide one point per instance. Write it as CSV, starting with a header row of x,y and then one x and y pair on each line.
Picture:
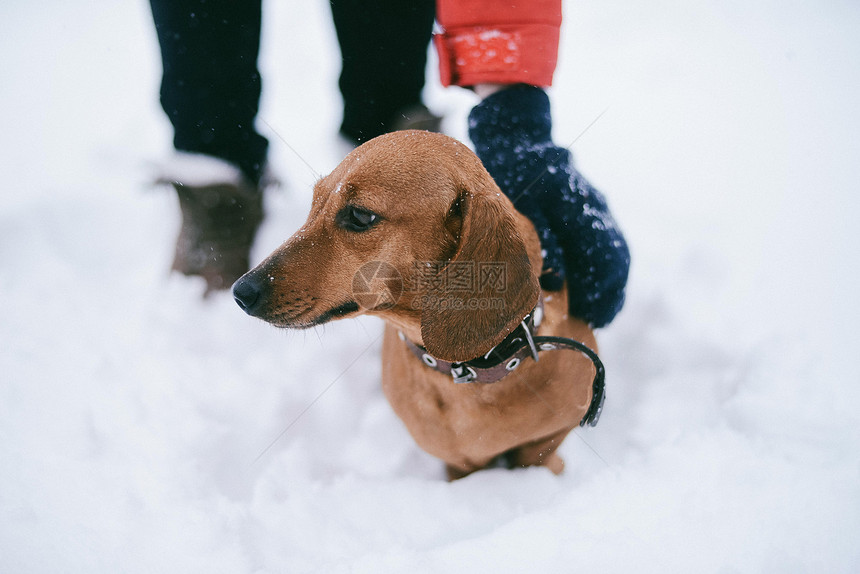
x,y
417,117
219,222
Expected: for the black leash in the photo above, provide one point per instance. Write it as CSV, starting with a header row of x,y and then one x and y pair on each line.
x,y
598,385
488,370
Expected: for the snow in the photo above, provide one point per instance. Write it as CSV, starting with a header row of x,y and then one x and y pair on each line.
x,y
145,430
195,169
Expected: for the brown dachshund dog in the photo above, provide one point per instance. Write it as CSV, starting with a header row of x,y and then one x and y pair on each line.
x,y
386,230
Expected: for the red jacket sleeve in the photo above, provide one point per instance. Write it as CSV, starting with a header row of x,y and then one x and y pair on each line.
x,y
492,41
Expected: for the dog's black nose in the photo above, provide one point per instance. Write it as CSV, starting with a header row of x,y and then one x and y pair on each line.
x,y
246,292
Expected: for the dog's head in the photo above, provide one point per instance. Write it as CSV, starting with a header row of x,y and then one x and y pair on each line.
x,y
412,228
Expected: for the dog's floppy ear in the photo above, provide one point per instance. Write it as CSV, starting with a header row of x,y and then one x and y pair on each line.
x,y
478,297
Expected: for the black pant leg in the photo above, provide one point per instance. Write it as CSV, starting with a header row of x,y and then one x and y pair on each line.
x,y
210,89
383,44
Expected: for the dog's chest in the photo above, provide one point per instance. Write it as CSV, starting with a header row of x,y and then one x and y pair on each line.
x,y
475,420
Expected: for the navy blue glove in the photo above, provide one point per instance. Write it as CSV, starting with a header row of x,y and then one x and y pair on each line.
x,y
579,238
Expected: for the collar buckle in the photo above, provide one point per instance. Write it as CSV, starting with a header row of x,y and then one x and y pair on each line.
x,y
463,373
530,339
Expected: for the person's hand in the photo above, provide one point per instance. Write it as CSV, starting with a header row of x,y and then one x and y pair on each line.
x,y
579,238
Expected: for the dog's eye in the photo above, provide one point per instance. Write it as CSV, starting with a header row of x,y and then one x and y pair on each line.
x,y
356,218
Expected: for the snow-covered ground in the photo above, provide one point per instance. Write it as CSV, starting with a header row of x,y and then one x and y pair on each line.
x,y
144,430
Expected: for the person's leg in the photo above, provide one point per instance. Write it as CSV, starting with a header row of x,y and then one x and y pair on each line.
x,y
210,87
210,90
384,45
